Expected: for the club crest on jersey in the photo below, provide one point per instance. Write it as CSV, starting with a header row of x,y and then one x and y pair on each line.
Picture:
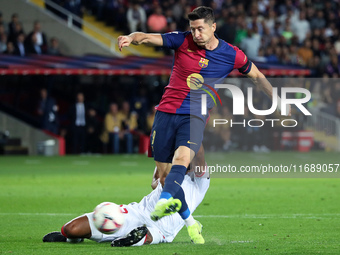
x,y
203,62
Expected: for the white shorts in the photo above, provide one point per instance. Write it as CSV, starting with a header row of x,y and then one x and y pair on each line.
x,y
138,214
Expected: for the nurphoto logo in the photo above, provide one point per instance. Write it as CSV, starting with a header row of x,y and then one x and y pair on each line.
x,y
282,104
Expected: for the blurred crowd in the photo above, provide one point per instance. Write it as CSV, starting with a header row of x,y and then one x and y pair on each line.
x,y
15,41
303,32
300,32
120,127
109,118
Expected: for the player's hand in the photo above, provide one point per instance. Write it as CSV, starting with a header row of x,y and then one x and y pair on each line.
x,y
124,41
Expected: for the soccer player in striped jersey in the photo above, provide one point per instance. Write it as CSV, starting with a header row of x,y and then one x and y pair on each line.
x,y
178,127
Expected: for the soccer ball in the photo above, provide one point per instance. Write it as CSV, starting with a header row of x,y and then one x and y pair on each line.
x,y
108,217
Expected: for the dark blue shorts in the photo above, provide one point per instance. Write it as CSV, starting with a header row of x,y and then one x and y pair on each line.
x,y
169,131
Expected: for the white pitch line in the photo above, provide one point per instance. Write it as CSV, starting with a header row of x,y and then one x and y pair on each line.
x,y
32,161
241,241
302,156
259,156
40,214
244,216
126,163
272,216
81,163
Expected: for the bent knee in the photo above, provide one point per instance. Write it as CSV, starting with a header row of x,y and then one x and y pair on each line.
x,y
181,159
183,156
72,229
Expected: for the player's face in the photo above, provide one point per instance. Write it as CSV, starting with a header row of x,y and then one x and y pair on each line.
x,y
202,32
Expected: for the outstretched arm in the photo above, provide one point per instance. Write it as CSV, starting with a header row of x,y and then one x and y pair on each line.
x,y
137,38
261,81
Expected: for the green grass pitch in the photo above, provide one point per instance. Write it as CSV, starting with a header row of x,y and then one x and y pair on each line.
x,y
240,215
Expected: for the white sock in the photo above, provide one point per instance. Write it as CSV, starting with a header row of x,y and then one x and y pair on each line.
x,y
162,200
189,221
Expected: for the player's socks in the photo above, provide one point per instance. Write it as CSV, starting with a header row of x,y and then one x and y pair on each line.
x,y
167,205
173,181
184,211
189,221
195,233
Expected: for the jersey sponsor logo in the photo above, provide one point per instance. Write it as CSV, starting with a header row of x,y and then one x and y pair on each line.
x,y
203,63
195,81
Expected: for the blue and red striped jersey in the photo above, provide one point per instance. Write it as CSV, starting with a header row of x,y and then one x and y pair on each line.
x,y
194,70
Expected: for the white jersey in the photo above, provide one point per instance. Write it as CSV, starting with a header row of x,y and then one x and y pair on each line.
x,y
138,214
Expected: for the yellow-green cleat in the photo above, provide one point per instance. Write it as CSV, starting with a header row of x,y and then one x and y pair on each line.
x,y
165,208
195,233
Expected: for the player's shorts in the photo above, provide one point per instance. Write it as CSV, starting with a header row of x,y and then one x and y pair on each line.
x,y
169,131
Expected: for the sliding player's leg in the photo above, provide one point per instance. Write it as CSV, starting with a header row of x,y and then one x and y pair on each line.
x,y
74,231
82,227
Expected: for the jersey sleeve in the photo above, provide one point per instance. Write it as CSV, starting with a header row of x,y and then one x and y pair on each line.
x,y
242,63
173,40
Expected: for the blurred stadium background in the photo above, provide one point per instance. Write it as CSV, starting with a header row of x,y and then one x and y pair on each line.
x,y
62,80
53,52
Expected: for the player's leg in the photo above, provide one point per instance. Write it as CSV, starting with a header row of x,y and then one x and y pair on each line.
x,y
184,146
201,177
172,185
188,139
162,143
194,227
198,164
163,170
172,137
166,206
194,195
193,143
74,231
77,228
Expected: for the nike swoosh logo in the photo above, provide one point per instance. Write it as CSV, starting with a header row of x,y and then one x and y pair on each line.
x,y
191,143
177,183
190,50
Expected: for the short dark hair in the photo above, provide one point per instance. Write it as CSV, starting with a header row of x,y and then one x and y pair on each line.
x,y
202,12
